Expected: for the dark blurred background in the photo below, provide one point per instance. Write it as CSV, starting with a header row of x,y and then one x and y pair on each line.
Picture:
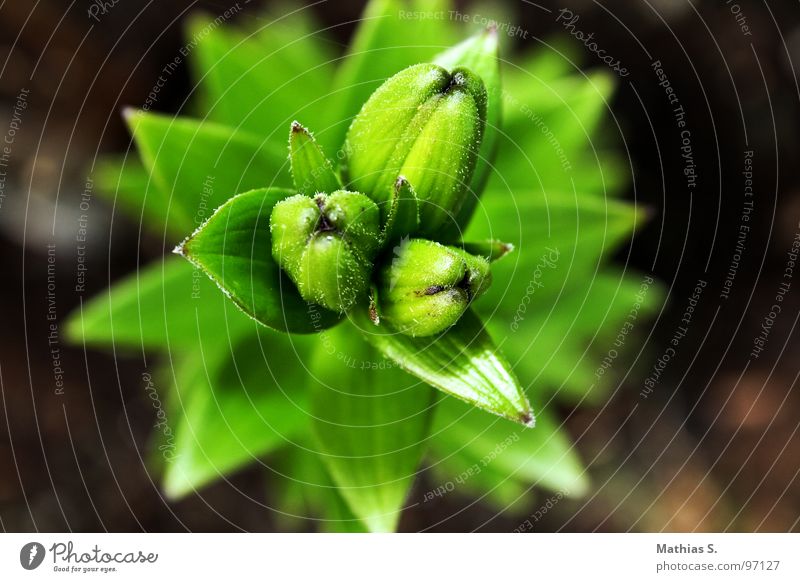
x,y
714,448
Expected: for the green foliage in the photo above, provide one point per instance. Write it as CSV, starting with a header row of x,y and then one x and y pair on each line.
x,y
344,423
371,422
463,362
234,248
233,406
198,165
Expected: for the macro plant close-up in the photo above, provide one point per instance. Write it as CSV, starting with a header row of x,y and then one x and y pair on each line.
x,y
398,266
380,295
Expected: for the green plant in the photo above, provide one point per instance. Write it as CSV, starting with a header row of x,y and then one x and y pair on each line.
x,y
344,424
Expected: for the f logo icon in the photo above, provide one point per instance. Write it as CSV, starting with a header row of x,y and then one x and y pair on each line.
x,y
31,555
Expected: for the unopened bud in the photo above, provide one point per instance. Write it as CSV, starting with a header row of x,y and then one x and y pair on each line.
x,y
427,287
425,124
326,244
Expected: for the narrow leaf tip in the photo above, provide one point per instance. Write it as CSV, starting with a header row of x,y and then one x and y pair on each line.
x,y
528,419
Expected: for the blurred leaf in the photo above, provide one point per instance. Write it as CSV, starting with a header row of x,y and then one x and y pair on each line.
x,y
198,165
556,59
559,241
560,340
234,248
371,422
551,140
543,455
167,305
386,41
127,183
232,406
312,172
463,362
251,79
570,122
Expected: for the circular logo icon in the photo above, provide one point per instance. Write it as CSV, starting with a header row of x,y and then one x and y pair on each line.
x,y
31,555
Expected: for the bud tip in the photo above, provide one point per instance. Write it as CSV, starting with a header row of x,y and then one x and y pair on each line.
x,y
373,313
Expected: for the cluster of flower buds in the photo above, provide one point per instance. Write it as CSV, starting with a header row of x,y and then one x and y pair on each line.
x,y
410,154
326,244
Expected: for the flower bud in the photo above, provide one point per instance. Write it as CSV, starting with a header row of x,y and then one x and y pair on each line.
x,y
425,124
326,245
428,286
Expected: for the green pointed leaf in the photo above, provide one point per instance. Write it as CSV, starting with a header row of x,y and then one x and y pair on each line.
x,y
463,362
311,170
492,250
543,456
234,248
403,215
250,78
305,493
169,304
197,165
371,423
384,43
480,54
233,406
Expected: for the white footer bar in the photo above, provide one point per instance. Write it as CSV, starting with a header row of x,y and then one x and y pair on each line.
x,y
402,557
